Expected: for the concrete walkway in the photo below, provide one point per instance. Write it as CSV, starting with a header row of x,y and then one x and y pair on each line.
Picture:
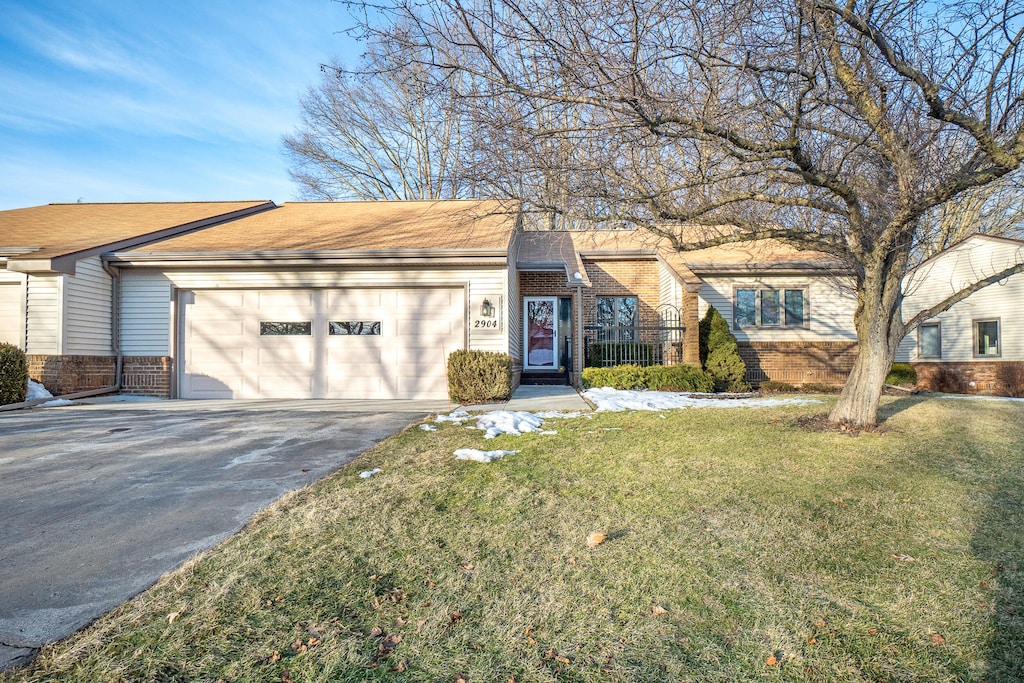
x,y
530,398
524,398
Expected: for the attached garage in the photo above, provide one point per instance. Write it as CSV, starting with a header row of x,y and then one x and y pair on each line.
x,y
372,343
336,300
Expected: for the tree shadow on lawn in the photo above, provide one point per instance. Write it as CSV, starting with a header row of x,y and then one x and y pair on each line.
x,y
892,408
998,541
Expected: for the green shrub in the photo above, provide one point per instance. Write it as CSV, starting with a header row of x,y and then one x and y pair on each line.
x,y
608,354
479,376
775,387
13,374
653,377
679,378
623,377
901,373
722,357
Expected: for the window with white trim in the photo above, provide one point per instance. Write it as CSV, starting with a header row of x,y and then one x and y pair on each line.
x,y
929,341
766,307
986,338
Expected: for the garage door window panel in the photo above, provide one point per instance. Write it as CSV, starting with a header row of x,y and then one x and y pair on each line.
x,y
353,328
286,329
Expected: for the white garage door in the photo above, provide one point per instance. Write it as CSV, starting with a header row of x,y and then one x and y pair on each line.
x,y
12,318
352,343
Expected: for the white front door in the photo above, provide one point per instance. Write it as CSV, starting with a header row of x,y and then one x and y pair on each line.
x,y
540,340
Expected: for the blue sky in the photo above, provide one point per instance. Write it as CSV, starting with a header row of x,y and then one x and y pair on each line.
x,y
156,101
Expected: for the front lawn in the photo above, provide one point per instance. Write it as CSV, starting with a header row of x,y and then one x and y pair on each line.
x,y
739,546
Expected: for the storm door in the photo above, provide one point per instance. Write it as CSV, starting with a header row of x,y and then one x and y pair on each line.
x,y
540,348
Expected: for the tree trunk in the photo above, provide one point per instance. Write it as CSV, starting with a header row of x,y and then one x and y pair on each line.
x,y
879,326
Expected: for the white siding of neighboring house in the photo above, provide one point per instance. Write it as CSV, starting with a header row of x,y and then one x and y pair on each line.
x,y
945,274
147,311
44,313
12,308
88,307
829,307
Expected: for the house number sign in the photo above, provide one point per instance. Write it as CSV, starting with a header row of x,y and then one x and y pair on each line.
x,y
485,314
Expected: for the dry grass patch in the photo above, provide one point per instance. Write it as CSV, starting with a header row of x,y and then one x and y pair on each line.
x,y
739,546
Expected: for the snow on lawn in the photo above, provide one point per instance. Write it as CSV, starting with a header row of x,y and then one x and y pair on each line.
x,y
481,456
607,399
37,391
981,398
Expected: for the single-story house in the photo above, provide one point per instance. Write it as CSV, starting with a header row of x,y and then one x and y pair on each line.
x,y
367,299
979,334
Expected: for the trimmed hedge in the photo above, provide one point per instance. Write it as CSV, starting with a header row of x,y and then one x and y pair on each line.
x,y
608,354
901,373
653,377
479,376
13,374
772,386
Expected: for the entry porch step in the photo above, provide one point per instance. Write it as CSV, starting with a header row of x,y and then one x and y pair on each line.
x,y
534,377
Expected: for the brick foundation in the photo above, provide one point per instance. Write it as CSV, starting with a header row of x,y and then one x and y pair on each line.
x,y
959,377
68,374
798,362
147,376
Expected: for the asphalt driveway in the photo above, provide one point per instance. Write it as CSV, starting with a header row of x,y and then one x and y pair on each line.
x,y
96,503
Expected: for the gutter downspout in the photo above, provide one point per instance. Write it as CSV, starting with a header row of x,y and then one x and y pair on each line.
x,y
115,346
578,284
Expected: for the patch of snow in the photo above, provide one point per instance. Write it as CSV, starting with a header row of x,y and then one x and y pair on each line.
x,y
556,414
37,391
369,473
481,456
549,432
508,422
428,428
607,399
458,417
982,398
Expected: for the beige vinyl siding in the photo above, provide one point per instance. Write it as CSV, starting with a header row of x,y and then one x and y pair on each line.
x,y
146,310
668,286
829,307
44,313
513,308
12,308
962,265
88,307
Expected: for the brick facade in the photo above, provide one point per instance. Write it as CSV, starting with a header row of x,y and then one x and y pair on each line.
x,y
798,362
975,377
618,277
68,374
147,376
140,375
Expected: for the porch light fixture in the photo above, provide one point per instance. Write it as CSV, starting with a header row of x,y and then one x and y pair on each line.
x,y
577,275
487,309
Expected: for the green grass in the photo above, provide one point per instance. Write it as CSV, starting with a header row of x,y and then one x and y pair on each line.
x,y
776,554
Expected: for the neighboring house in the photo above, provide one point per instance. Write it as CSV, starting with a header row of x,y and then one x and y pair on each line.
x,y
977,335
367,299
55,295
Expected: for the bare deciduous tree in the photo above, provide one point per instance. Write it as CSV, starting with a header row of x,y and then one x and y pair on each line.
x,y
379,133
836,126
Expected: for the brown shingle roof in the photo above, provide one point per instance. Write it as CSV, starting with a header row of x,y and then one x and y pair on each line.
x,y
546,247
355,226
57,230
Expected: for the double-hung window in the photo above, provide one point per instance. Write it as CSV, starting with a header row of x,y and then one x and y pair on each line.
x,y
986,338
617,318
766,307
